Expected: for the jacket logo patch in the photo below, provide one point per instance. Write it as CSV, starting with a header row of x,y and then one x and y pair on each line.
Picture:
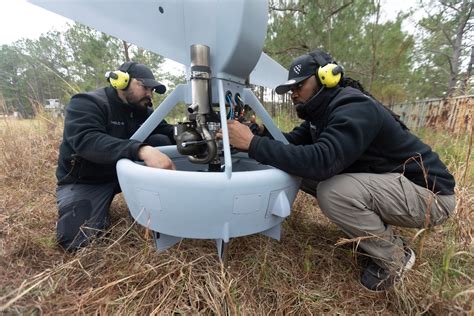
x,y
118,123
297,69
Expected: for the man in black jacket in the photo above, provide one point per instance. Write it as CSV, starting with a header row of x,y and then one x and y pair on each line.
x,y
359,160
97,130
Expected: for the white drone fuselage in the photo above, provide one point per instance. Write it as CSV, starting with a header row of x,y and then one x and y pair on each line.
x,y
246,197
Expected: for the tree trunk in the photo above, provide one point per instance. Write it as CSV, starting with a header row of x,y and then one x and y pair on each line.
x,y
373,66
260,95
465,10
273,110
468,74
125,50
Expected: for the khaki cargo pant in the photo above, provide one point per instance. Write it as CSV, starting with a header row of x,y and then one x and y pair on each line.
x,y
367,204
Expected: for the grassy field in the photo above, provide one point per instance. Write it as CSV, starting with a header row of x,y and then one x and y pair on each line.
x,y
312,270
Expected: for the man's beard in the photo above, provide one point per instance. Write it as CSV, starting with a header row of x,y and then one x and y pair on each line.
x,y
301,111
147,103
143,102
302,107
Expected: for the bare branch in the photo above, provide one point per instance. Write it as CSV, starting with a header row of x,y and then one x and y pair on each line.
x,y
449,5
287,9
465,21
437,52
342,7
448,37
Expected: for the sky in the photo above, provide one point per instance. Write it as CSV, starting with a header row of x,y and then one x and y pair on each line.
x,y
14,13
20,19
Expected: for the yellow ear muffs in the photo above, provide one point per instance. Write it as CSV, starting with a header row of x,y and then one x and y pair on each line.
x,y
118,79
330,75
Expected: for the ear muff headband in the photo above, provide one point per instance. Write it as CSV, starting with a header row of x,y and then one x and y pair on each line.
x,y
329,73
120,79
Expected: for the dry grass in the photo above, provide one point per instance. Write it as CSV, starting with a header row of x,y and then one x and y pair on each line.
x,y
121,273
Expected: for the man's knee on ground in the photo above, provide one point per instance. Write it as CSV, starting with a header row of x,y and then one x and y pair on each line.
x,y
76,225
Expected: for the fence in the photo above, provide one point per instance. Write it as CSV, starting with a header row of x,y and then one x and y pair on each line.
x,y
452,114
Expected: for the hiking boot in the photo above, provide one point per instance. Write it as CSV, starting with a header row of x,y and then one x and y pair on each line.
x,y
376,278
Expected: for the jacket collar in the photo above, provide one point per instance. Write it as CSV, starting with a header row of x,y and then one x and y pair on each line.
x,y
316,108
115,100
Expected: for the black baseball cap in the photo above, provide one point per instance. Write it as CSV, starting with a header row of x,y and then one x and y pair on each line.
x,y
143,74
304,67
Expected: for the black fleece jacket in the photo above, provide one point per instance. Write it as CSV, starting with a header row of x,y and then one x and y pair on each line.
x,y
97,129
349,132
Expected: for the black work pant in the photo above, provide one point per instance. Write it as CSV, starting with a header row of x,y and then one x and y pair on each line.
x,y
84,208
83,212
